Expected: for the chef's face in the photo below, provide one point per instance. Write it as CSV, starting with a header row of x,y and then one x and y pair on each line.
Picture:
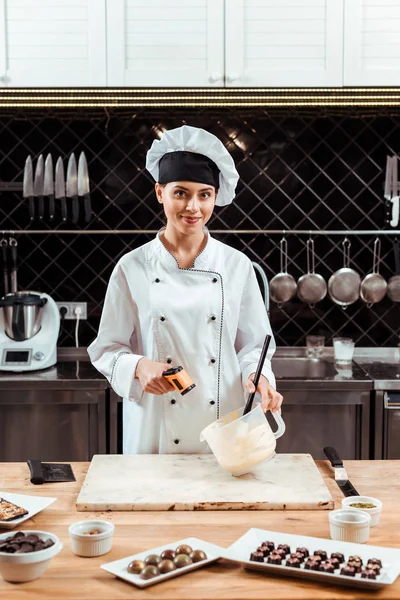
x,y
188,205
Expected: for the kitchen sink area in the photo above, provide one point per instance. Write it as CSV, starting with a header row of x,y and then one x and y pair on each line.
x,y
302,368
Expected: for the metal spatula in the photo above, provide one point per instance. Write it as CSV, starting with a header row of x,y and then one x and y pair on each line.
x,y
257,376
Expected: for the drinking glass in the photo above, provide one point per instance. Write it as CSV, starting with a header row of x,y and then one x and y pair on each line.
x,y
315,346
343,349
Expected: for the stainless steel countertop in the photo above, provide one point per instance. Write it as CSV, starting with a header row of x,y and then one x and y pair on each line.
x,y
73,371
372,368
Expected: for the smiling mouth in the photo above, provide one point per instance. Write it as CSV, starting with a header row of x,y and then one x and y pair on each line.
x,y
191,219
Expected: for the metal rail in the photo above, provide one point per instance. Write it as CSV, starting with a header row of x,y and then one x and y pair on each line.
x,y
345,232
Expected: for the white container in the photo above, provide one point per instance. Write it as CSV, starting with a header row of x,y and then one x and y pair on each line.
x,y
374,513
19,568
239,442
349,525
91,545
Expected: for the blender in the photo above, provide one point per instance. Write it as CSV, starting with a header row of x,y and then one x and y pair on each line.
x,y
29,326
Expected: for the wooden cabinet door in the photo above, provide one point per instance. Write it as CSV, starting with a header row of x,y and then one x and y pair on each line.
x,y
372,42
48,43
284,43
166,43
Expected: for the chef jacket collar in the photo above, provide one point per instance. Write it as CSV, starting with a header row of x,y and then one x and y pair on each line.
x,y
168,259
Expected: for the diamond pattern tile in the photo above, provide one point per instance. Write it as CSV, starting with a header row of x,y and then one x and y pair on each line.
x,y
300,169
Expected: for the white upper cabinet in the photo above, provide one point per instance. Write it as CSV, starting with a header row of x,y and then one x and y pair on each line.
x,y
284,43
47,43
372,43
165,43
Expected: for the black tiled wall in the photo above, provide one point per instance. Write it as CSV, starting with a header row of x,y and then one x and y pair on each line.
x,y
300,169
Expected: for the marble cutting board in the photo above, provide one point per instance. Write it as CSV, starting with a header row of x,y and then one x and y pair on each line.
x,y
197,482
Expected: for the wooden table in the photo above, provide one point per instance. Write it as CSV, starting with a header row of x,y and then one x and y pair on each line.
x,y
72,577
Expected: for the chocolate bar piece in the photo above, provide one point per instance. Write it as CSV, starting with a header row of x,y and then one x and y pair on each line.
x,y
10,511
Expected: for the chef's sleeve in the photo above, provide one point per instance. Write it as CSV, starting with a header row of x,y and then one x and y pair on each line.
x,y
111,352
253,326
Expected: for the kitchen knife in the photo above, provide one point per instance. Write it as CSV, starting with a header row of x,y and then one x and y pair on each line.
x,y
395,194
72,187
27,187
83,186
38,185
341,477
60,187
48,188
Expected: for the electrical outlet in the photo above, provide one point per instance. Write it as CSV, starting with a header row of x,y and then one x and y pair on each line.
x,y
71,306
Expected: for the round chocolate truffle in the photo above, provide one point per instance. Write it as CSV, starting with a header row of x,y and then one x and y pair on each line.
x,y
348,571
152,559
168,554
263,549
321,553
166,566
257,556
269,545
274,559
368,574
293,562
149,572
284,547
304,551
375,561
338,555
327,567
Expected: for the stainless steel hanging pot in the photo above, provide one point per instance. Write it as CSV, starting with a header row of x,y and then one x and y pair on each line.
x,y
311,287
344,285
282,286
374,286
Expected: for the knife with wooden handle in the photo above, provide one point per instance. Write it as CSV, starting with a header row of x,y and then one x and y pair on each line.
x,y
341,476
48,188
27,186
38,185
83,186
60,187
72,187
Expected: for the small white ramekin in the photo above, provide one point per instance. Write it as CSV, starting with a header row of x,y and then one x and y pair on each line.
x,y
19,568
374,513
349,525
91,545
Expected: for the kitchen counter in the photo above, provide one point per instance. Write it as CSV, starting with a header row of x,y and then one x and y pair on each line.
x,y
73,371
72,577
293,370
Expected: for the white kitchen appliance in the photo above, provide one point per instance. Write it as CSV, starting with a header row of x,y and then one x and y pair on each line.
x,y
29,327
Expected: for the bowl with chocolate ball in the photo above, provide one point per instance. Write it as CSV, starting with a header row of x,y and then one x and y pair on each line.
x,y
92,537
25,555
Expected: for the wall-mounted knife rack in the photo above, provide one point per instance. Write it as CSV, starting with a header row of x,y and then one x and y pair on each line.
x,y
311,232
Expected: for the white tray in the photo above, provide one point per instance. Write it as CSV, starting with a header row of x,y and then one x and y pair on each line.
x,y
239,553
119,567
33,504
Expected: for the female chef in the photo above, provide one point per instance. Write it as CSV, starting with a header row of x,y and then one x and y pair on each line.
x,y
184,299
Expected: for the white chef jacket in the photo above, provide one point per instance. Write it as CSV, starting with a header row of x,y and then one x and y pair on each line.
x,y
210,319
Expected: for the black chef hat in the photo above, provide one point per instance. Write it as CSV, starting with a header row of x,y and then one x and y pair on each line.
x,y
188,166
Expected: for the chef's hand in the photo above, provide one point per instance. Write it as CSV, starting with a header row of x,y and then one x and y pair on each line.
x,y
149,372
270,398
